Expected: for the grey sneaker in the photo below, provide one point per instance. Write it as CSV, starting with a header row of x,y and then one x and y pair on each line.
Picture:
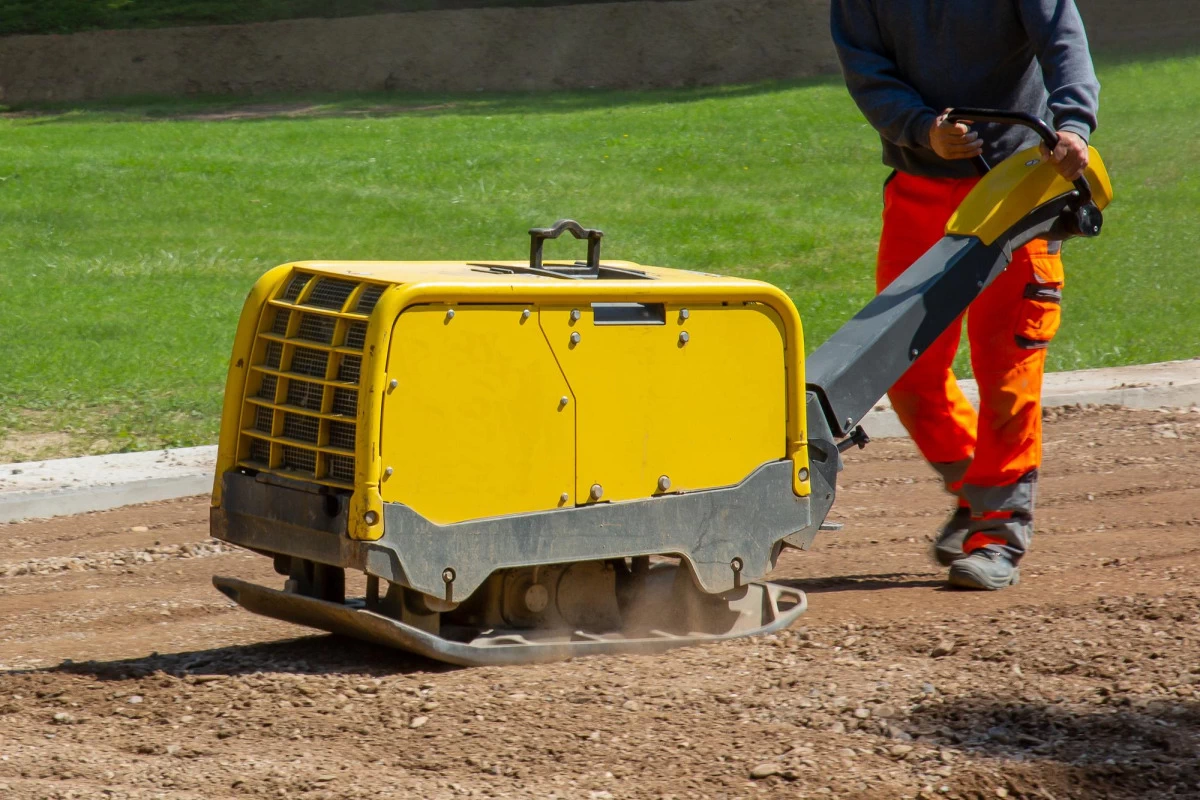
x,y
948,547
984,569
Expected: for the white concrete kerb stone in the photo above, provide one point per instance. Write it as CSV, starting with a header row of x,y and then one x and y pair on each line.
x,y
94,483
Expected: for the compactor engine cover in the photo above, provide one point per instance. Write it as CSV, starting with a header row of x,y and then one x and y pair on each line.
x,y
527,460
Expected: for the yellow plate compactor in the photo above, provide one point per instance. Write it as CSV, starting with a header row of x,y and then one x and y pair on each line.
x,y
534,461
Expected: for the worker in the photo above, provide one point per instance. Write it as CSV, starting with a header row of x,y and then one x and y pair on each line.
x,y
906,62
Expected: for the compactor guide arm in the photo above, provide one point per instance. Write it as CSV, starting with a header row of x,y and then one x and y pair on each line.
x,y
1022,199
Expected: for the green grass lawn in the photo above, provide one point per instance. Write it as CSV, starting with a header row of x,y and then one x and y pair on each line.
x,y
130,236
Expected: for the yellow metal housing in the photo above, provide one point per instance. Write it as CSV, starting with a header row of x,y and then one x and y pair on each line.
x,y
700,401
475,426
1017,185
475,390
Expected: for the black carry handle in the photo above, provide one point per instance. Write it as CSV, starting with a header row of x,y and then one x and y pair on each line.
x,y
538,237
1035,124
1084,219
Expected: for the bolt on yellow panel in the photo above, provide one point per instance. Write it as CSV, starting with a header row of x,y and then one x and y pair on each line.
x,y
695,403
476,425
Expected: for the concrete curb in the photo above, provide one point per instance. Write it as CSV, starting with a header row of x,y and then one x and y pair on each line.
x,y
66,486
95,483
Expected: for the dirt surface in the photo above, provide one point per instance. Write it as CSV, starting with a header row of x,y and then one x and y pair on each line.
x,y
125,675
627,45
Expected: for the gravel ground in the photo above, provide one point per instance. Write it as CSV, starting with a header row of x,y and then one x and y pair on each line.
x,y
123,674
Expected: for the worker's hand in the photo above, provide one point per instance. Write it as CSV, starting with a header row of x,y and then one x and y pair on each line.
x,y
1070,158
953,140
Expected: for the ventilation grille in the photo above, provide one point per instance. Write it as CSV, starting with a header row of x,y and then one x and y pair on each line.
x,y
316,328
301,420
282,316
356,336
341,434
348,371
341,468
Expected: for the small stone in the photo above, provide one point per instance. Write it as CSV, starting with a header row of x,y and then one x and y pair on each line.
x,y
943,648
862,713
172,749
139,529
901,750
135,699
764,771
185,719
600,795
418,722
631,705
1001,791
63,718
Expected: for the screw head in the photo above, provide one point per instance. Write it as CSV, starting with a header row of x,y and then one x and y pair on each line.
x,y
562,401
448,575
525,314
802,474
597,491
371,517
684,338
575,315
914,352
736,564
575,337
564,497
387,473
393,383
664,483
684,314
449,314
849,422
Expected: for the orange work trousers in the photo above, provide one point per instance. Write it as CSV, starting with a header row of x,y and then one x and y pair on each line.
x,y
1008,327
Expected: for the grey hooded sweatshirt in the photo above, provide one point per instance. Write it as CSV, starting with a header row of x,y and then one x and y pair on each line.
x,y
905,61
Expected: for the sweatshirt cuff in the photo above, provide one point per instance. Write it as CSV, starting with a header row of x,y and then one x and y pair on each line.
x,y
1077,127
924,124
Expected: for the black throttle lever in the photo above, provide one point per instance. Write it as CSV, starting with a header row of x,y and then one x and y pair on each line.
x,y
857,438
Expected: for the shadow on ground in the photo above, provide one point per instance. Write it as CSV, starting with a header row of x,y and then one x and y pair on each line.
x,y
1141,750
383,104
860,583
308,655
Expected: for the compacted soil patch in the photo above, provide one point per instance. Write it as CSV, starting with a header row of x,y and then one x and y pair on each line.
x,y
125,675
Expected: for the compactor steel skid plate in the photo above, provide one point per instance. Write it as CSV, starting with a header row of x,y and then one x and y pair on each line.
x,y
666,612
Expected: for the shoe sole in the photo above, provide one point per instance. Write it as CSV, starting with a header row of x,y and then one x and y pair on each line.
x,y
964,579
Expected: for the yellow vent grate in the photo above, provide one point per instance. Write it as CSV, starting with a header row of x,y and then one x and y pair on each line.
x,y
301,400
